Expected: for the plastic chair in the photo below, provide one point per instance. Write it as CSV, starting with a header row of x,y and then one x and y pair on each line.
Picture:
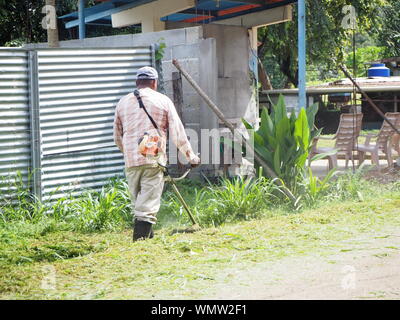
x,y
345,138
383,141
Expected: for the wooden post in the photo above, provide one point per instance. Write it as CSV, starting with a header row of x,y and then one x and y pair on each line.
x,y
263,76
52,33
178,101
178,93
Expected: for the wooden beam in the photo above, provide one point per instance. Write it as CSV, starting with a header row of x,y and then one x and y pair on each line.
x,y
260,2
260,18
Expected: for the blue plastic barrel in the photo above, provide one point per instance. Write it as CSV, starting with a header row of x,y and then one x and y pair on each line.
x,y
378,70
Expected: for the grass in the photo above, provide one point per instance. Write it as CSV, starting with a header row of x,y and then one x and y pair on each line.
x,y
93,211
183,266
98,260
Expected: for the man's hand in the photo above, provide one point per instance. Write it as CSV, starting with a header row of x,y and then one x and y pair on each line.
x,y
195,162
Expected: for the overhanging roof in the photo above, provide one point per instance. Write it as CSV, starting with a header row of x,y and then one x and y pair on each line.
x,y
206,11
375,84
211,10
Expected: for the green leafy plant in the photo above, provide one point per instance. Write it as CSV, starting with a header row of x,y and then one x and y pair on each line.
x,y
16,200
284,142
350,186
109,209
160,50
313,188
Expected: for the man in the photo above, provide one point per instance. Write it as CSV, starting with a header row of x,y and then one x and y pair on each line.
x,y
132,128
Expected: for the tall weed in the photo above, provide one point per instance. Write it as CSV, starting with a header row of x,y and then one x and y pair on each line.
x,y
236,199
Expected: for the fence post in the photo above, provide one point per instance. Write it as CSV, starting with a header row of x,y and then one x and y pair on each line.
x,y
178,93
81,18
302,54
35,125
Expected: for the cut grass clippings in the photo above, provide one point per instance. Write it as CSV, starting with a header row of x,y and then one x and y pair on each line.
x,y
109,266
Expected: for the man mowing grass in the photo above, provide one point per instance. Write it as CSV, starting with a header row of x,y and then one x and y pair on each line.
x,y
140,130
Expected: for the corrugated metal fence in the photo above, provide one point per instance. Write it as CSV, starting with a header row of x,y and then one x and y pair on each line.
x,y
73,94
15,152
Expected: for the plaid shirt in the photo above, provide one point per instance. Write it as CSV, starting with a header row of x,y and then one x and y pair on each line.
x,y
131,122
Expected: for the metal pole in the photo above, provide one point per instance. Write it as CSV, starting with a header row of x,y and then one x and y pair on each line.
x,y
302,53
178,194
82,24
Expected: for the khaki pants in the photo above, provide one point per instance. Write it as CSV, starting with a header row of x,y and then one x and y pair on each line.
x,y
146,185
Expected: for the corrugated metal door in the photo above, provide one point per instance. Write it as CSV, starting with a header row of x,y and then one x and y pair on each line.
x,y
78,92
15,140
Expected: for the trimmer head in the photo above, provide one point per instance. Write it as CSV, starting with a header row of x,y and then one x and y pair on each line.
x,y
194,228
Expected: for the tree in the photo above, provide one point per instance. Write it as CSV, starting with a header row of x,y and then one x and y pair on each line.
x,y
51,24
389,33
21,20
326,38
364,55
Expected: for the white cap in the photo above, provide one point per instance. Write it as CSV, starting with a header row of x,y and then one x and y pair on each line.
x,y
147,73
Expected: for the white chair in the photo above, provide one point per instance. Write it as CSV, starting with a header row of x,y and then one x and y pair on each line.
x,y
346,135
383,141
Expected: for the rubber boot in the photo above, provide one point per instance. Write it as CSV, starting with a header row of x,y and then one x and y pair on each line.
x,y
142,230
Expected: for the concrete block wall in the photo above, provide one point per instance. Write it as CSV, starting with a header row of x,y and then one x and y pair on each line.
x,y
169,37
236,96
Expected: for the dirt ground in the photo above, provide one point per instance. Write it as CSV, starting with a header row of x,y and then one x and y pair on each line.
x,y
385,175
368,268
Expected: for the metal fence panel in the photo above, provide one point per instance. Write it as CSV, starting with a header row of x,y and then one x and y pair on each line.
x,y
78,92
15,140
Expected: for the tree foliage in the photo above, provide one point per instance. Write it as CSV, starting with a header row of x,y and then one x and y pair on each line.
x,y
326,38
363,56
389,33
21,22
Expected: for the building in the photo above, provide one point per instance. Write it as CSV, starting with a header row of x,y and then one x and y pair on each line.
x,y
384,91
67,96
215,40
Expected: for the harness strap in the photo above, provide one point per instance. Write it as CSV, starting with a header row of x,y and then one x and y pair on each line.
x,y
142,106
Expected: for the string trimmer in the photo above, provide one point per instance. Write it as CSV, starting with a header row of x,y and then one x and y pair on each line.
x,y
195,226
